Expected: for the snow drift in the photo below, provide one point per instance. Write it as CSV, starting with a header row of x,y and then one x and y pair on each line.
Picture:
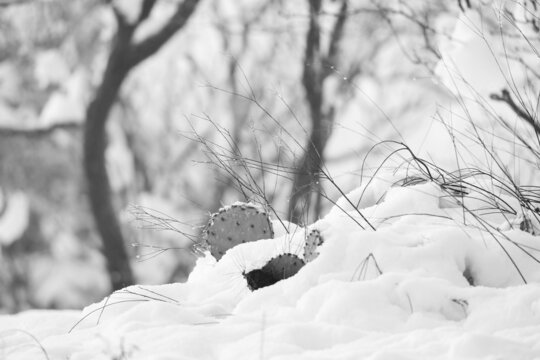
x,y
429,283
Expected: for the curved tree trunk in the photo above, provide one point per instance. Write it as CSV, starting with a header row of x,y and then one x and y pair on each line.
x,y
99,188
124,56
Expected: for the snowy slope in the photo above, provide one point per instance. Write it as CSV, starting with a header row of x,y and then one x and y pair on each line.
x,y
408,300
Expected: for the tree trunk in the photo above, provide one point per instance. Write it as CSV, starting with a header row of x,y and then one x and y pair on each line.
x,y
317,67
306,178
124,56
99,187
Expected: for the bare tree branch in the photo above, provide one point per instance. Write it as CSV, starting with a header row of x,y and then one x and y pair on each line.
x,y
337,35
522,113
153,43
38,131
467,3
146,9
6,3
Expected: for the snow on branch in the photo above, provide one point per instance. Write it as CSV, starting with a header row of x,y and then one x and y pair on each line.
x,y
39,131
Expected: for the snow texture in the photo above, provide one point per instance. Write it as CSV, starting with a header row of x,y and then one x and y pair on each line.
x,y
14,217
401,292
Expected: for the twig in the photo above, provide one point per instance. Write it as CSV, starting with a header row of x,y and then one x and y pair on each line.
x,y
522,113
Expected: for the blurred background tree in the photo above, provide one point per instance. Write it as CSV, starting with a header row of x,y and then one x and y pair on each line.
x,y
126,53
67,80
277,97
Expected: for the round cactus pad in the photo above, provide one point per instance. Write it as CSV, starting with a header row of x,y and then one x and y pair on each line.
x,y
235,225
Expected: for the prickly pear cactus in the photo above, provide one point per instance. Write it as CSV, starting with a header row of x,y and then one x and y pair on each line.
x,y
236,224
313,240
279,268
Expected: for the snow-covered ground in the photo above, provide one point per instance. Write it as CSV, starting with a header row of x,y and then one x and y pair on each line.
x,y
401,292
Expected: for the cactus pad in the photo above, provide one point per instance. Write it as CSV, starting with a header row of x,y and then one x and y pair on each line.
x,y
279,268
235,225
313,240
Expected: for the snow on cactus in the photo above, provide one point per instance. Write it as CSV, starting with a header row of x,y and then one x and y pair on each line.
x,y
236,224
243,223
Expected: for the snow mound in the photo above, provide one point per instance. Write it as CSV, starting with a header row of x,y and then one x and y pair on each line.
x,y
14,217
422,286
